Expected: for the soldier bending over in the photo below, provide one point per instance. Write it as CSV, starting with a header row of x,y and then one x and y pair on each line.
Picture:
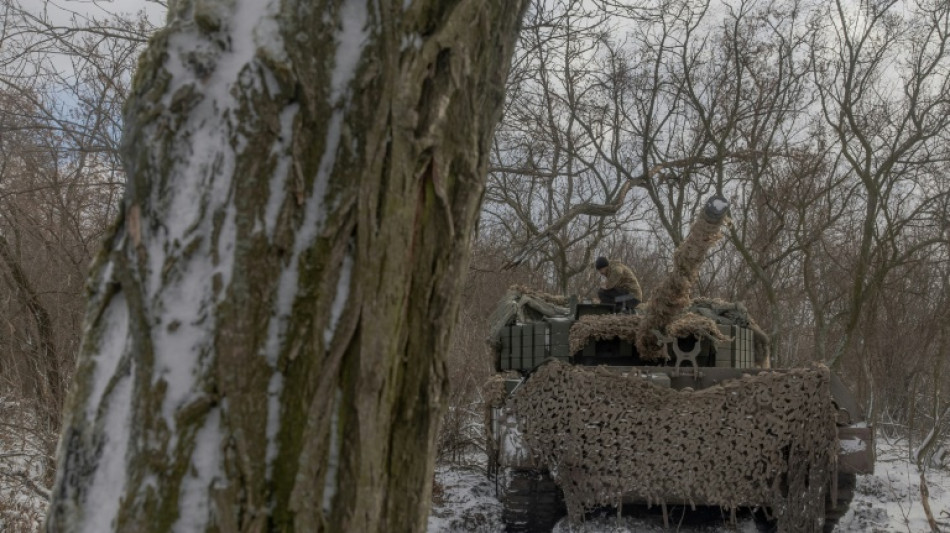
x,y
620,281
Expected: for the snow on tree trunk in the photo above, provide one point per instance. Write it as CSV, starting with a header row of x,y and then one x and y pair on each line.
x,y
266,328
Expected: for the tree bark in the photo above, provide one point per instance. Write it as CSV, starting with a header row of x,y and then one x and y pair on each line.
x,y
265,337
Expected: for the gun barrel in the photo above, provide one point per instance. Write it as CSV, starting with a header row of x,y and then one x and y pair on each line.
x,y
671,297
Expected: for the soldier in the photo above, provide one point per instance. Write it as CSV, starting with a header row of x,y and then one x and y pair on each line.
x,y
621,281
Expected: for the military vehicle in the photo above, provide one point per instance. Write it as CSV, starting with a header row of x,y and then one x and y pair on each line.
x,y
673,403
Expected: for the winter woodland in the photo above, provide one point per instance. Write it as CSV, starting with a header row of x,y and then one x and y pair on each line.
x,y
825,123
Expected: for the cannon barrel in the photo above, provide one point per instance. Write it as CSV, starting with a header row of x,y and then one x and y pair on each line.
x,y
671,297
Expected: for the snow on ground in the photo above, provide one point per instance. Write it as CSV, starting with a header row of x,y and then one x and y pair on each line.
x,y
465,499
889,501
886,502
22,495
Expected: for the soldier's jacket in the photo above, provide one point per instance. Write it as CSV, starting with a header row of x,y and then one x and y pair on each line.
x,y
619,276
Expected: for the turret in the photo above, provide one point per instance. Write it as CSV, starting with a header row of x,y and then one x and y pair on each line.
x,y
671,297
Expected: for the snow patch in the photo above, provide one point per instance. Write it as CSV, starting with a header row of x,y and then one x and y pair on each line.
x,y
194,498
413,40
183,336
108,483
227,242
274,390
514,450
278,182
464,500
267,32
110,350
316,212
350,42
852,445
340,299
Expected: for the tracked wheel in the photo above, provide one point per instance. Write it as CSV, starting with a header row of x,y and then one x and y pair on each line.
x,y
532,502
834,512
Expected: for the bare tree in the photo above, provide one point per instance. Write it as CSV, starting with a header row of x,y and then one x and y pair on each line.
x,y
59,182
884,87
601,129
539,186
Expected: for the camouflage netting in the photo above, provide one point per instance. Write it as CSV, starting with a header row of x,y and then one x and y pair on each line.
x,y
763,440
493,390
691,324
625,327
736,314
493,395
672,296
603,327
522,304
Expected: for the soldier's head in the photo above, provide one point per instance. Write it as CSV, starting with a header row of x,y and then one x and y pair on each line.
x,y
601,265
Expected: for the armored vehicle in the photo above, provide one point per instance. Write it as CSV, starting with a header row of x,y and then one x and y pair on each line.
x,y
672,403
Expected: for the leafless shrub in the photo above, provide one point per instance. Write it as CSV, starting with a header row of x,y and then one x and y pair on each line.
x,y
470,362
25,469
62,86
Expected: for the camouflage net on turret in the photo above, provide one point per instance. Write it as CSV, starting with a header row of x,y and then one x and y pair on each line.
x,y
693,325
736,314
521,305
591,328
763,440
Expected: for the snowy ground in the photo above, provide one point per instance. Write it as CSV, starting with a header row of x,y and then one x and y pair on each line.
x,y
888,501
22,497
465,501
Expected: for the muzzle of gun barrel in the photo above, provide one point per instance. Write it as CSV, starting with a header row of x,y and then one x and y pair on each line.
x,y
716,208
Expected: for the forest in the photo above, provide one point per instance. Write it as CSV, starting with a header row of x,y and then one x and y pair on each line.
x,y
825,124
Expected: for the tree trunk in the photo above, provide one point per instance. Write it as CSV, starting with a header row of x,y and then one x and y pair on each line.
x,y
265,338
